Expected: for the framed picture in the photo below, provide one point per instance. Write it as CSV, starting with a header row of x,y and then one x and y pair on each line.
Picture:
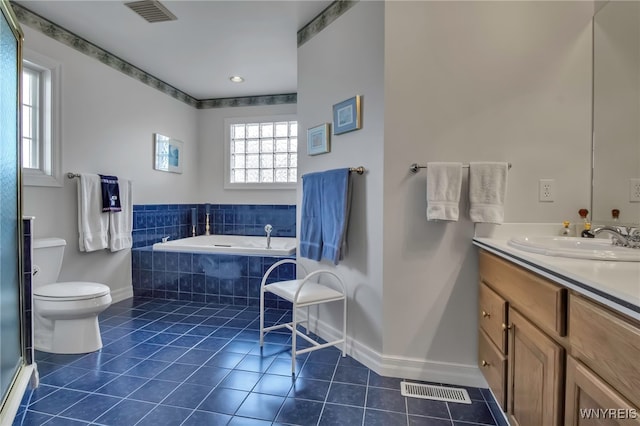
x,y
318,140
168,154
347,115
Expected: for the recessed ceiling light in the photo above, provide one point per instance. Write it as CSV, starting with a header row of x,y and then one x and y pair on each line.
x,y
236,79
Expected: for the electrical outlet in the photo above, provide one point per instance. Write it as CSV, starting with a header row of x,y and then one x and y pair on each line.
x,y
546,190
634,190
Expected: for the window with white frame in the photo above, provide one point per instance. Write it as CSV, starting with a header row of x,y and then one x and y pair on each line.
x,y
40,120
261,152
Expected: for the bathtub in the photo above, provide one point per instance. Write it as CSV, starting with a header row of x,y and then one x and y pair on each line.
x,y
231,244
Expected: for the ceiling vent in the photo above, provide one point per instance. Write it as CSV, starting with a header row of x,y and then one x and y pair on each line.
x,y
151,10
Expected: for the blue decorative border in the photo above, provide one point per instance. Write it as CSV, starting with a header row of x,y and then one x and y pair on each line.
x,y
58,33
324,18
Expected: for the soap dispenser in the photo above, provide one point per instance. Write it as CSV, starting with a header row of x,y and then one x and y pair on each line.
x,y
615,215
586,232
566,230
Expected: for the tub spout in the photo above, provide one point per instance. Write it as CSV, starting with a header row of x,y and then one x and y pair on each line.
x,y
268,230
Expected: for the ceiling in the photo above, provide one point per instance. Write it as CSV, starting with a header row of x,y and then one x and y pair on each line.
x,y
210,41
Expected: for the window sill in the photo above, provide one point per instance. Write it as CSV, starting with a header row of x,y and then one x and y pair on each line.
x,y
261,186
31,177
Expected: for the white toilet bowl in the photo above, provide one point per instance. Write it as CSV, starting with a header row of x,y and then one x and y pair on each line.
x,y
65,313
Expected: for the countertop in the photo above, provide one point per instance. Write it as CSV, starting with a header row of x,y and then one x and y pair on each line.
x,y
615,284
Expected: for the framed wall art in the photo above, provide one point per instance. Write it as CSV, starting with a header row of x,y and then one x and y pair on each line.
x,y
318,141
168,154
347,115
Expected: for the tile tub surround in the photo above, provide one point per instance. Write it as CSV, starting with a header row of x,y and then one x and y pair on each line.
x,y
206,277
151,222
187,363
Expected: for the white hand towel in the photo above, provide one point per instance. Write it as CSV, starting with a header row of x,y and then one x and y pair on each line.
x,y
487,190
444,181
93,224
121,223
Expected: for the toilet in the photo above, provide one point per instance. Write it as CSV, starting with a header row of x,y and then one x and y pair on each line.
x,y
65,313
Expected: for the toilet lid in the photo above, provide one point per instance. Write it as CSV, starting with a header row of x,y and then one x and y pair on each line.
x,y
76,290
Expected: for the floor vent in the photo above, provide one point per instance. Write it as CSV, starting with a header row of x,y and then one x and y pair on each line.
x,y
438,393
151,10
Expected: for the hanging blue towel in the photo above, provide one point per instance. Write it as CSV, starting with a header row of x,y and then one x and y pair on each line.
x,y
110,193
310,215
336,203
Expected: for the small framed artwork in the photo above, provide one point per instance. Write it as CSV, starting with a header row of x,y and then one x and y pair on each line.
x,y
318,140
168,154
347,115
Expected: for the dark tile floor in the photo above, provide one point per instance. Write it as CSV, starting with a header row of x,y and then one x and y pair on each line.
x,y
186,363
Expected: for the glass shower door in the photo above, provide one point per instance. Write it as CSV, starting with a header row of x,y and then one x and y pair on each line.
x,y
10,216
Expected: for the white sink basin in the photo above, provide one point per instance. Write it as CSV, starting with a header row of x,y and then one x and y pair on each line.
x,y
580,248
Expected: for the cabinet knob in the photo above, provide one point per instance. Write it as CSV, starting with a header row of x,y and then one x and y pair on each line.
x,y
506,327
485,314
485,363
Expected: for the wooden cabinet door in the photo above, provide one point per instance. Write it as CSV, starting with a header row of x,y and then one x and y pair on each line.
x,y
535,375
592,402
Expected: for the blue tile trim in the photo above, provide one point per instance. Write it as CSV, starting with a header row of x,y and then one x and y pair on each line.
x,y
151,222
27,304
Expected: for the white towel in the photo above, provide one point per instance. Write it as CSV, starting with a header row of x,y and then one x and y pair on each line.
x,y
444,181
487,189
93,224
121,223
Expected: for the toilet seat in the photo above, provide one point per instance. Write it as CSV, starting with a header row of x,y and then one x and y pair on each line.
x,y
69,291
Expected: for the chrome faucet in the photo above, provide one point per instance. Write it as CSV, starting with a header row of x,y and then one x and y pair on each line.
x,y
621,235
268,230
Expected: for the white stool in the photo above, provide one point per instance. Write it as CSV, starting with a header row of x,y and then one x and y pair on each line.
x,y
303,293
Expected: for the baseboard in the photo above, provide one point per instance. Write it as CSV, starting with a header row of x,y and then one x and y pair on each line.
x,y
17,391
404,367
121,294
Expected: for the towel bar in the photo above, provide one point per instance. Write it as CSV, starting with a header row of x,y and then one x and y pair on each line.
x,y
415,167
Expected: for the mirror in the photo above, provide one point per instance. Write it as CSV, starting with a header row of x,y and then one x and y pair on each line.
x,y
616,112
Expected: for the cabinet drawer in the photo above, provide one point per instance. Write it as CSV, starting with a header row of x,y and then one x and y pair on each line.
x,y
541,301
493,316
589,400
608,344
493,365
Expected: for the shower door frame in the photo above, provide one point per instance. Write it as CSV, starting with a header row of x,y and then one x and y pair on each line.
x,y
8,398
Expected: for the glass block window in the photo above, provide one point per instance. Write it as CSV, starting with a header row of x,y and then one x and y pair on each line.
x,y
263,152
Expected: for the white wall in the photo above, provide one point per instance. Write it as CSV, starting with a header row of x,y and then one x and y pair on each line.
x,y
474,81
108,121
463,81
343,60
211,157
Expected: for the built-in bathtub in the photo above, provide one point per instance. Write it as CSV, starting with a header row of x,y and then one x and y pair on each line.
x,y
206,269
230,244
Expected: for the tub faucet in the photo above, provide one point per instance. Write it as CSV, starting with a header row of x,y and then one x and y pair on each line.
x,y
268,230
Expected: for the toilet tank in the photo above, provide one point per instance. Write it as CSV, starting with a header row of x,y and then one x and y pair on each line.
x,y
47,260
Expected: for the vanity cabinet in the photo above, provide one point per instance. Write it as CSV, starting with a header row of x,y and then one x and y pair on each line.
x,y
603,371
552,356
532,315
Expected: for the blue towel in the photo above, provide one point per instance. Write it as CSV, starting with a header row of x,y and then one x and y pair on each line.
x,y
336,203
310,217
110,193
